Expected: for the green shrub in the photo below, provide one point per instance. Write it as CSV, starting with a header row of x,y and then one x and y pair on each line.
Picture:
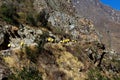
x,y
42,17
30,73
42,40
8,13
31,20
31,55
95,74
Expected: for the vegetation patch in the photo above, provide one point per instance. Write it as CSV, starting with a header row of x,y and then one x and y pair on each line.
x,y
30,73
31,20
95,74
8,13
31,55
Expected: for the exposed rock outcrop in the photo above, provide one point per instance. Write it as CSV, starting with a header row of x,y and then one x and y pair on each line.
x,y
52,43
106,20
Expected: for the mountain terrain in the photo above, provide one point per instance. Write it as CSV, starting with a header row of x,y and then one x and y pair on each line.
x,y
106,19
58,40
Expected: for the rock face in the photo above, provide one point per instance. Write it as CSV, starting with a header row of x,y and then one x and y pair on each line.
x,y
53,42
1,37
104,17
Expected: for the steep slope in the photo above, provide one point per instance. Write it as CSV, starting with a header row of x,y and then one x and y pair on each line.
x,y
45,40
106,19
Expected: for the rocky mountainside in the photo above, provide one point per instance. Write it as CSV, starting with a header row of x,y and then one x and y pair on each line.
x,y
106,19
48,40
